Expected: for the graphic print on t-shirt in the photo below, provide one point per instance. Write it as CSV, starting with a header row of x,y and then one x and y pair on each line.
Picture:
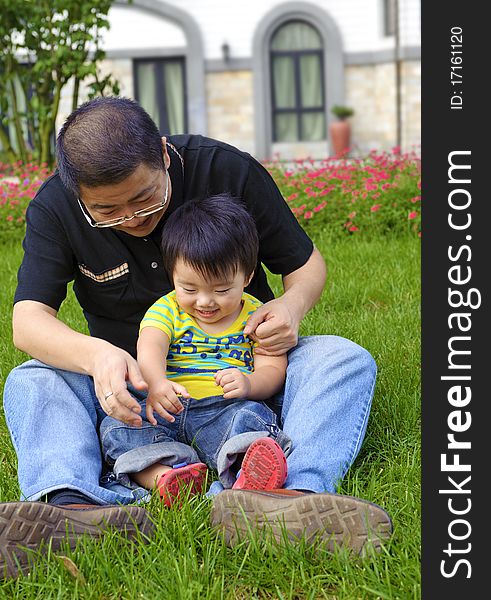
x,y
195,356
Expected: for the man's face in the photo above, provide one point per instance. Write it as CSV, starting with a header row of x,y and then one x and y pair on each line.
x,y
144,188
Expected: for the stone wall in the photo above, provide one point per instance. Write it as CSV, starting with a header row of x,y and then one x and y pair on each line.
x,y
230,108
122,71
370,90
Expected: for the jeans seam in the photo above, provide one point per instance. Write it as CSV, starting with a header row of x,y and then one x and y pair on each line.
x,y
181,430
225,437
355,448
11,431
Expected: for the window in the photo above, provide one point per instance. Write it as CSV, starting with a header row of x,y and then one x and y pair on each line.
x,y
160,88
297,83
389,17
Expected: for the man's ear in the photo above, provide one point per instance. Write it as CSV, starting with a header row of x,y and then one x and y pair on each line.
x,y
165,153
248,279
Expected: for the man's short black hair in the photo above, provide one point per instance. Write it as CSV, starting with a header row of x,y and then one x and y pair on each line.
x,y
214,235
104,140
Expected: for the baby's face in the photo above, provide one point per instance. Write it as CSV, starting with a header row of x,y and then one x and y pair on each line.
x,y
208,301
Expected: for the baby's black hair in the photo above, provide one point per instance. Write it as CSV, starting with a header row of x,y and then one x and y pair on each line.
x,y
214,235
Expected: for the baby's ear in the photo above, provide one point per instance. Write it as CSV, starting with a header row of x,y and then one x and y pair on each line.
x,y
248,279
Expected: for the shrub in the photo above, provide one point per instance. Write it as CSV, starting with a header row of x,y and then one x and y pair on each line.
x,y
342,112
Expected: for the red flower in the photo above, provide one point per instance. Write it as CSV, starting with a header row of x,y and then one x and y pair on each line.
x,y
412,215
353,228
375,207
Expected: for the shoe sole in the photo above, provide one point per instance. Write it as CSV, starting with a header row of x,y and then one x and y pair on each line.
x,y
183,482
263,468
336,521
25,526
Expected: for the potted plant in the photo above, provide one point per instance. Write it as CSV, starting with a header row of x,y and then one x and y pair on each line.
x,y
340,130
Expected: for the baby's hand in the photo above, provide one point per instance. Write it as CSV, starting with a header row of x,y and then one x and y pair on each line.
x,y
235,384
162,398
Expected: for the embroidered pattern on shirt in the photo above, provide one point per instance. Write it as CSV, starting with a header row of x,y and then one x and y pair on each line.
x,y
106,275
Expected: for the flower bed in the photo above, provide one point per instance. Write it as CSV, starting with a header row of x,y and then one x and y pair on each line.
x,y
18,185
380,194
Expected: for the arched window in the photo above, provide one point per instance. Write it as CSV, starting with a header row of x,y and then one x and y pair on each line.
x,y
160,87
297,83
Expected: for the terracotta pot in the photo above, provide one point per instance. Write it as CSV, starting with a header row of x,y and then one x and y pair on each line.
x,y
340,133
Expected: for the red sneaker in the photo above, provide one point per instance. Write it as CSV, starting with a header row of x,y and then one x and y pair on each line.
x,y
263,468
181,480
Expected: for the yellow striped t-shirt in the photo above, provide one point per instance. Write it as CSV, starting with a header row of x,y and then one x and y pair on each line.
x,y
195,356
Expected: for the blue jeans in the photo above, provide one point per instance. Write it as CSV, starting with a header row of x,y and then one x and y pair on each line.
x,y
212,430
53,417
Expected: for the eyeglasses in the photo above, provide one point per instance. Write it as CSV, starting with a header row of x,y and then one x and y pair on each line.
x,y
144,212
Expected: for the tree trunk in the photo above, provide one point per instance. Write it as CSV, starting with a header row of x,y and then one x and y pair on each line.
x,y
19,133
76,89
7,146
49,127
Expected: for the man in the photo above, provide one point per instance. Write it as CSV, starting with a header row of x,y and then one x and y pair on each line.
x,y
97,222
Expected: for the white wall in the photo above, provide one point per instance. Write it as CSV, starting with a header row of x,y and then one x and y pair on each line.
x,y
235,21
132,28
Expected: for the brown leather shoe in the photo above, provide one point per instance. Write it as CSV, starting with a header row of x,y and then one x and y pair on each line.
x,y
25,525
335,520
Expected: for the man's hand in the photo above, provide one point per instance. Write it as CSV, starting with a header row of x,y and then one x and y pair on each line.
x,y
234,383
274,327
112,368
162,398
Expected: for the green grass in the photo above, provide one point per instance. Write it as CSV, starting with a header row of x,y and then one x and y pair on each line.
x,y
373,298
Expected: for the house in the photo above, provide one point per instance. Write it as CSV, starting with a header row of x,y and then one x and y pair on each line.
x,y
264,74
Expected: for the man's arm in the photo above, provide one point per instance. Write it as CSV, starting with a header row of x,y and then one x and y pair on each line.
x,y
38,332
303,287
275,324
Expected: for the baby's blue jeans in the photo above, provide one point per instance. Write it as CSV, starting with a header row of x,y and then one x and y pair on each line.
x,y
212,430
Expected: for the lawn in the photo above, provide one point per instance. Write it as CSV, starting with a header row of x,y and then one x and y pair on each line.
x,y
372,297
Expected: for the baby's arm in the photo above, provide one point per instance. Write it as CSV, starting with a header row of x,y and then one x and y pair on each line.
x,y
152,349
267,378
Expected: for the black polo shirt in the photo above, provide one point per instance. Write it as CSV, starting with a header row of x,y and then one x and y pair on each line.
x,y
118,276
